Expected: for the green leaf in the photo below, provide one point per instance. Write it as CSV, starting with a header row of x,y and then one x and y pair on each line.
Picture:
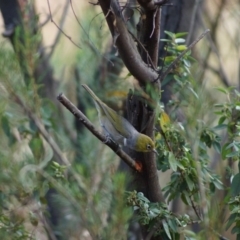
x,y
236,229
36,145
7,130
234,145
127,76
180,40
170,58
221,120
6,126
166,229
189,183
235,210
212,187
220,126
230,221
155,210
225,151
170,34
180,47
223,90
173,225
217,146
235,186
141,197
185,198
165,40
181,34
232,154
218,184
172,161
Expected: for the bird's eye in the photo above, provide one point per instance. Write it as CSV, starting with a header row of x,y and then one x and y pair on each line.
x,y
149,147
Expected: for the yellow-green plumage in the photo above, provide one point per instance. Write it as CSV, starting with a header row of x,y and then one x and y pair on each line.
x,y
119,129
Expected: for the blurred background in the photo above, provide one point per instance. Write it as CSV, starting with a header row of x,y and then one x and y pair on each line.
x,y
45,196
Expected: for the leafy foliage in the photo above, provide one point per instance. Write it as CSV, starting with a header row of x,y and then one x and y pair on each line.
x,y
88,194
153,214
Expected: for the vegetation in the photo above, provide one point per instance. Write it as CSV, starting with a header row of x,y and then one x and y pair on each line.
x,y
58,181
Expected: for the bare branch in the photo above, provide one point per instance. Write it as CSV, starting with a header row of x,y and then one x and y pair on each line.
x,y
81,117
61,23
221,70
67,36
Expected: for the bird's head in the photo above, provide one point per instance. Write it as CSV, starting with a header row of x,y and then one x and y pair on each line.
x,y
144,144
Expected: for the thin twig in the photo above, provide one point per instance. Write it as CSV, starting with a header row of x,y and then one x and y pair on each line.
x,y
144,49
195,209
81,117
61,23
48,18
212,42
154,16
174,63
67,36
213,47
87,33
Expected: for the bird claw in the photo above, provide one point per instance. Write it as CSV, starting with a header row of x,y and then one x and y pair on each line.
x,y
108,139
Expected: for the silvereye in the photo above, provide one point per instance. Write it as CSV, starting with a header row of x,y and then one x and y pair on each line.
x,y
119,129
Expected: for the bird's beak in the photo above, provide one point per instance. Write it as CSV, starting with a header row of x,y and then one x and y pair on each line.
x,y
155,151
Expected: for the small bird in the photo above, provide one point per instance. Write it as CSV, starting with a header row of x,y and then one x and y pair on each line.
x,y
119,129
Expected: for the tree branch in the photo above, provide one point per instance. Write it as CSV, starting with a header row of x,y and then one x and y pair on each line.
x,y
61,23
125,43
82,118
59,28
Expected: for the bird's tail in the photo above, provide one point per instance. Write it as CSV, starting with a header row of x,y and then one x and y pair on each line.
x,y
91,92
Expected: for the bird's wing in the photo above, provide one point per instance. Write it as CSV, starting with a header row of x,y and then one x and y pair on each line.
x,y
121,124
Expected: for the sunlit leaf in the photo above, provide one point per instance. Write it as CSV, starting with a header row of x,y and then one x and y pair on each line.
x,y
180,47
164,121
181,34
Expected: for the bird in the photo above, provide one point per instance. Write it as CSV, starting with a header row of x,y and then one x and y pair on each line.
x,y
119,129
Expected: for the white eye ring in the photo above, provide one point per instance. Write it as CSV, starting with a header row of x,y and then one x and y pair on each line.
x,y
149,146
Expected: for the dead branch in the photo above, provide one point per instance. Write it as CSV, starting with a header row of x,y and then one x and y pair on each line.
x,y
59,28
